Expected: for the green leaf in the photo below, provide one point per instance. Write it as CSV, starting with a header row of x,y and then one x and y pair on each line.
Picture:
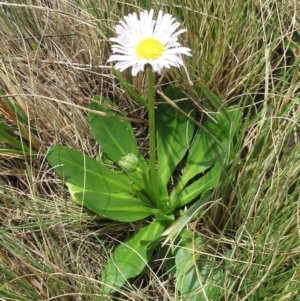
x,y
117,206
181,222
98,188
115,136
204,150
202,185
198,278
79,169
174,132
130,258
206,153
160,216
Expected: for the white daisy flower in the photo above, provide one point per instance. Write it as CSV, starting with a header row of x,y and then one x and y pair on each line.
x,y
147,41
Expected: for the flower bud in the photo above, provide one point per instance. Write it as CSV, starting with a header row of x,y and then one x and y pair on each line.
x,y
130,162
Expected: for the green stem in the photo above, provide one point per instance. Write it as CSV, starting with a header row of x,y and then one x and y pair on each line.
x,y
151,116
149,190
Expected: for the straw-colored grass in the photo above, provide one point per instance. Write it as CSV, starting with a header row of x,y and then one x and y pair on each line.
x,y
53,60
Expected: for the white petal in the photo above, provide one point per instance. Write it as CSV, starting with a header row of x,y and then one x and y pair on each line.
x,y
182,50
132,30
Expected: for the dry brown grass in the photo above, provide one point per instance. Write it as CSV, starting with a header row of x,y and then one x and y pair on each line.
x,y
49,75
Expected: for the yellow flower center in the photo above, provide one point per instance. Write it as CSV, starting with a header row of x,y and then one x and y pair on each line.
x,y
149,49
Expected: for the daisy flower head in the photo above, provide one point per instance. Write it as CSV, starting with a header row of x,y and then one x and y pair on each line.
x,y
147,41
